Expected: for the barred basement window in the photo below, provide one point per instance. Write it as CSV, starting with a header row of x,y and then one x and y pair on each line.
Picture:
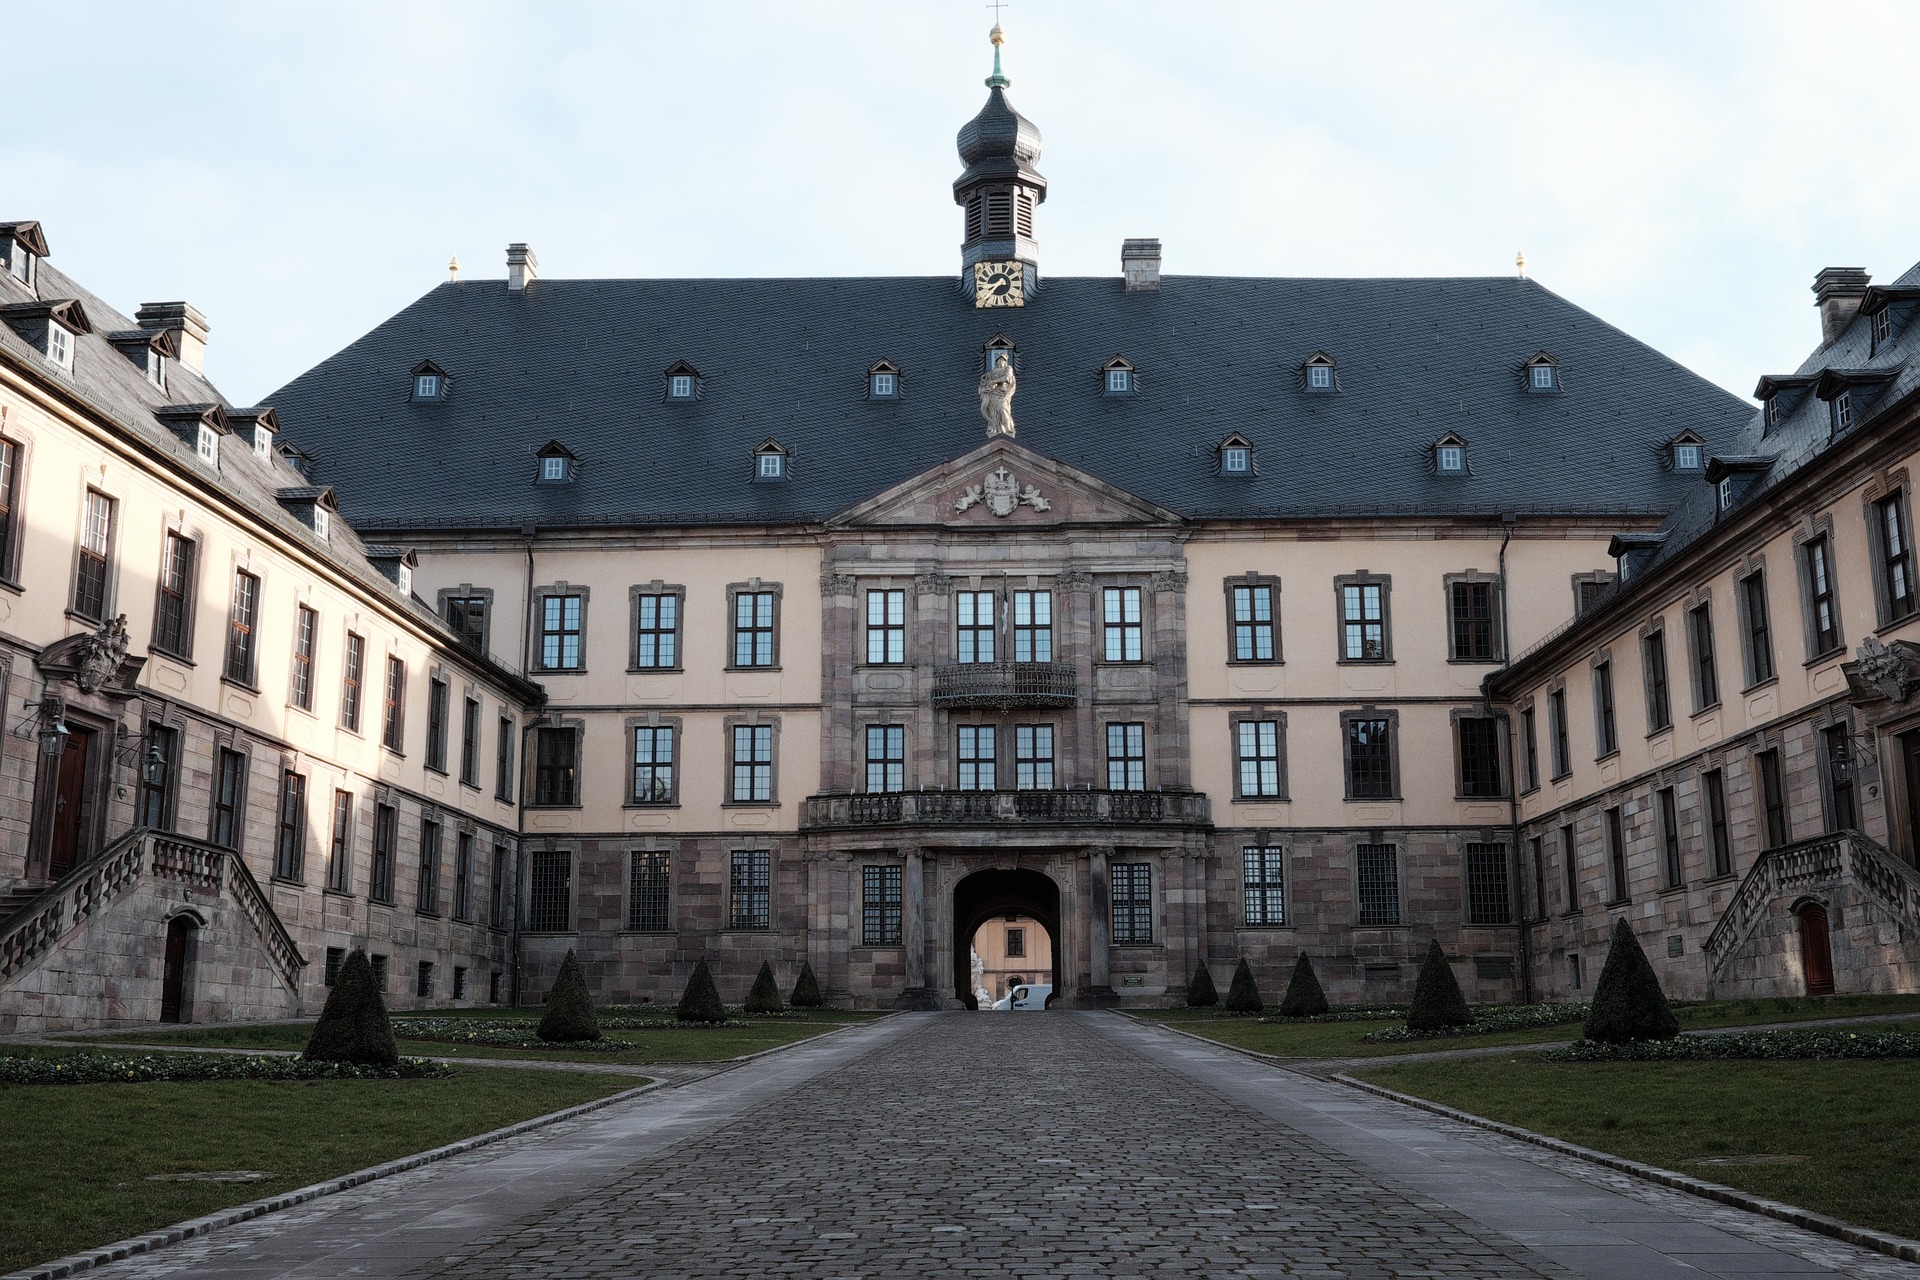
x,y
459,982
1488,899
976,757
336,956
379,964
425,987
1377,881
1264,885
550,891
750,904
886,757
1033,757
887,627
880,906
647,892
1132,884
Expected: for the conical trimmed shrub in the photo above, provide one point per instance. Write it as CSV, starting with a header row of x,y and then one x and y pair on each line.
x,y
1627,1001
353,1026
1201,993
1437,1002
1243,996
569,1017
1305,997
765,995
700,1002
806,989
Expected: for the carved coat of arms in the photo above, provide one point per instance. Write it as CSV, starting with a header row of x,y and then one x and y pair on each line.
x,y
1002,494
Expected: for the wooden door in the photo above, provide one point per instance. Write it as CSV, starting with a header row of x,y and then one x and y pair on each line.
x,y
1816,952
173,980
69,805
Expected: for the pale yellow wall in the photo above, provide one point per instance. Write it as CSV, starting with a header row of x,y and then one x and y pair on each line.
x,y
997,967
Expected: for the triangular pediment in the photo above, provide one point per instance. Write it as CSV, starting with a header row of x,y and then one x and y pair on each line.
x,y
1002,485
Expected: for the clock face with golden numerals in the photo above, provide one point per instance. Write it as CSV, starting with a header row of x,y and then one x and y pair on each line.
x,y
998,284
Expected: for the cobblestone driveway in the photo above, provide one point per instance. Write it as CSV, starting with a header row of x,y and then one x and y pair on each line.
x,y
997,1147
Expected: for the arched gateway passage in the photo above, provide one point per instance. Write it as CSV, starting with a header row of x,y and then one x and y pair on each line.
x,y
986,894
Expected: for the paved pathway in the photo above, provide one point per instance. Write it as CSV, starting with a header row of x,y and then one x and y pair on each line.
x,y
965,1145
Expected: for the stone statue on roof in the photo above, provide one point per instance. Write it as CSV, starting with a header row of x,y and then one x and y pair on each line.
x,y
996,396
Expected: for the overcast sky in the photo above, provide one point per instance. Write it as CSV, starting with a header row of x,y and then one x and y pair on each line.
x,y
301,171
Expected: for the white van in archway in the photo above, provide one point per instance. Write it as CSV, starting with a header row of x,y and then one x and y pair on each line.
x,y
1028,995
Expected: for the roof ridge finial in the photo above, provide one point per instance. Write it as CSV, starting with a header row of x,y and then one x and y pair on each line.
x,y
998,79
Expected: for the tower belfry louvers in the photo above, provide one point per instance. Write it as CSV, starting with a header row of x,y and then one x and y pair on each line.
x,y
999,257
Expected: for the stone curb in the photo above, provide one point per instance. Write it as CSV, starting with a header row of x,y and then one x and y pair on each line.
x,y
1878,1241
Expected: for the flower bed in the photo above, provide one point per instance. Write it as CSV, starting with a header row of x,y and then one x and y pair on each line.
x,y
1348,1013
87,1067
521,1033
1830,1043
1490,1020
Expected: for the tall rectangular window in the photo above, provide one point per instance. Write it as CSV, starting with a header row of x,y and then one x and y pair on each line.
x,y
1489,899
975,757
229,798
1606,728
975,615
173,607
1121,625
470,743
353,672
306,627
1773,799
158,762
437,696
386,852
1363,622
1706,673
1132,885
752,764
1893,546
1823,614
649,899
1033,626
886,757
93,569
880,905
290,835
1473,622
550,891
427,895
1377,881
242,619
340,846
1759,631
1033,757
653,764
1263,885
1670,840
463,876
1714,787
750,896
1653,672
1616,856
467,619
1369,758
1557,727
1570,868
503,762
1530,746
753,629
1126,757
500,886
1842,812
556,767
1480,757
1256,749
393,722
656,638
887,627
9,504
1538,848
1252,608
561,646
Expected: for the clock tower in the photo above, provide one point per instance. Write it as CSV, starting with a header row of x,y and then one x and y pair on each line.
x,y
999,258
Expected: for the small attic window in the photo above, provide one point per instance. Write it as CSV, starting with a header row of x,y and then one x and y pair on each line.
x,y
1451,459
157,368
1319,369
883,381
998,346
1235,457
683,381
1543,374
553,470
263,444
1118,377
1688,457
1725,493
431,383
20,261
1776,410
404,577
426,386
322,525
59,343
206,445
1843,412
770,462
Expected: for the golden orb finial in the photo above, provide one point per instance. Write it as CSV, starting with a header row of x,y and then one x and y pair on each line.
x,y
1520,263
996,35
453,267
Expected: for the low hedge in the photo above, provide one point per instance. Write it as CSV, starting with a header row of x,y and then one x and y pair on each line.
x,y
1489,1020
1349,1013
523,1033
1751,1045
88,1067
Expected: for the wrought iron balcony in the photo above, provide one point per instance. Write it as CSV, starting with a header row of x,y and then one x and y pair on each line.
x,y
1002,685
1005,808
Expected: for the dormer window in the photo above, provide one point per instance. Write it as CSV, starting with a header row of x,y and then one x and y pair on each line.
x,y
1776,410
553,470
206,445
1450,455
1726,493
426,387
1688,457
322,523
772,466
1882,328
263,444
770,462
1235,456
883,381
20,262
59,345
1119,376
683,382
1843,412
1319,369
1543,373
157,368
404,579
556,463
431,383
1000,346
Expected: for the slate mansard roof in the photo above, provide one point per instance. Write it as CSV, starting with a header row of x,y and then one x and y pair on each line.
x,y
583,362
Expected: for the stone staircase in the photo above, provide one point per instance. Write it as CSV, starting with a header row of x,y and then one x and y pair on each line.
x,y
1824,865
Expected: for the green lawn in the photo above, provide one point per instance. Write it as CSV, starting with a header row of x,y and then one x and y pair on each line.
x,y
1342,1039
1854,1124
74,1160
695,1045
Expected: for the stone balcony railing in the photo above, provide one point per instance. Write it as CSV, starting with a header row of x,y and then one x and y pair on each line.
x,y
1823,862
1002,685
1008,808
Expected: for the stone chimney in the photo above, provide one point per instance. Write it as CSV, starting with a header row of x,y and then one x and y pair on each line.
x,y
1837,291
522,267
1140,264
189,329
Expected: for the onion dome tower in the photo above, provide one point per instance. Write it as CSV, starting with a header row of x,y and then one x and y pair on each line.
x,y
999,259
